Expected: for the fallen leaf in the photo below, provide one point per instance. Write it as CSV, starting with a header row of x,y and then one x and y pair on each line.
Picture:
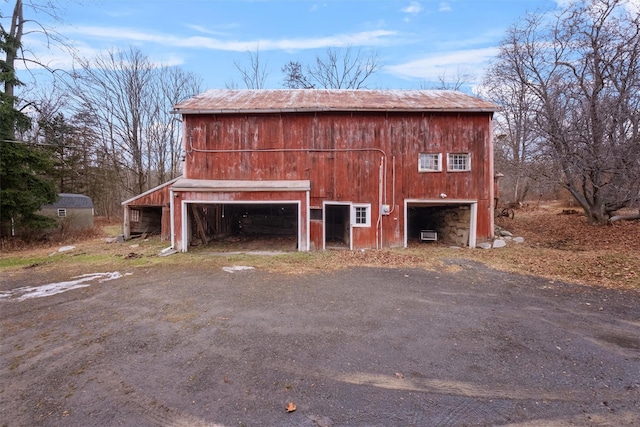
x,y
291,407
399,375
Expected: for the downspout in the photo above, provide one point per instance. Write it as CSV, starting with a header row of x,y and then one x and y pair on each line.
x,y
172,217
379,222
393,184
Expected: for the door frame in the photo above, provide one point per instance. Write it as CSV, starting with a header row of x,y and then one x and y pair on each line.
x,y
349,206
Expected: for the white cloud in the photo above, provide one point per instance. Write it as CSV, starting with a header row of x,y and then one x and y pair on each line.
x,y
432,66
632,5
444,7
564,3
413,9
204,30
127,35
314,7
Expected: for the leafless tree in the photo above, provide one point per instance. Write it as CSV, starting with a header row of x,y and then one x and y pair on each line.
x,y
294,77
581,72
115,88
131,98
338,69
516,144
255,75
457,82
164,134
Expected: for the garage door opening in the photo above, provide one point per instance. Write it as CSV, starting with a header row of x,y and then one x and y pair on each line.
x,y
273,226
449,224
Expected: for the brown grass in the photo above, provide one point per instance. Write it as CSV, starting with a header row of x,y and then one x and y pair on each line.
x,y
556,246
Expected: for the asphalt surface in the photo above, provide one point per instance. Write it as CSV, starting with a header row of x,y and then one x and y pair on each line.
x,y
461,346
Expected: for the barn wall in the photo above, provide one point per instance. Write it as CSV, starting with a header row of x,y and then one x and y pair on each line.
x,y
344,155
160,200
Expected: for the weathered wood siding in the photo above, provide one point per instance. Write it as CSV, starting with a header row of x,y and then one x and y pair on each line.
x,y
342,155
159,199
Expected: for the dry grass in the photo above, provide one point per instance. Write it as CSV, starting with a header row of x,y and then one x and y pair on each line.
x,y
566,247
559,247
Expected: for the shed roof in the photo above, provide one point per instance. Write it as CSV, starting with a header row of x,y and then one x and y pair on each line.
x,y
72,201
227,101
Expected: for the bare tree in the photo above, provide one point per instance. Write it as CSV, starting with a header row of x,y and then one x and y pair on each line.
x,y
294,77
338,69
457,82
164,135
130,99
582,75
255,75
516,143
115,88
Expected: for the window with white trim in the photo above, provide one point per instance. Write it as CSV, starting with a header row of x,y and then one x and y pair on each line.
x,y
429,162
361,215
62,213
457,162
135,215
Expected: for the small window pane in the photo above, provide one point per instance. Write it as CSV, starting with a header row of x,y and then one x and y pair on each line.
x,y
459,162
62,213
429,162
361,215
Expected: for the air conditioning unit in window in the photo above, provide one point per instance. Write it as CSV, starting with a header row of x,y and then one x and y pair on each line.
x,y
428,236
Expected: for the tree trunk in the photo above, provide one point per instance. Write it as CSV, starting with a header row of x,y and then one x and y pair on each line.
x,y
593,209
13,39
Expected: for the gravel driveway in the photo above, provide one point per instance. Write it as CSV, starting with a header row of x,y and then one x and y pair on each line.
x,y
460,346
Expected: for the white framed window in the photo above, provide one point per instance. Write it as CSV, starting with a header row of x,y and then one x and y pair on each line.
x,y
361,215
429,162
135,215
457,162
62,213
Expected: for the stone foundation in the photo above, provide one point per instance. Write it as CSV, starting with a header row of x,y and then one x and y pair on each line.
x,y
453,224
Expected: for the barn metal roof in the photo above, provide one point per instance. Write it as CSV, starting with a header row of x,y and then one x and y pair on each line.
x,y
227,101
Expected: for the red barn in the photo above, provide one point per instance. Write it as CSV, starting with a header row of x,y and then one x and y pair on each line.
x,y
354,169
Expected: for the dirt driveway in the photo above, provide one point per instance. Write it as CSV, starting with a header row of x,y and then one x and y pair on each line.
x,y
462,346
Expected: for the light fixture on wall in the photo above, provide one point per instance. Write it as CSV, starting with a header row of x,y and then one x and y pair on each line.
x,y
443,196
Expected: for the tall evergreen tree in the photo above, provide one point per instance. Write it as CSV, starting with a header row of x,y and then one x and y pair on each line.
x,y
23,186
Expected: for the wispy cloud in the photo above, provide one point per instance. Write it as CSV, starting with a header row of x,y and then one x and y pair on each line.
x,y
127,35
205,30
432,66
444,7
314,7
413,9
563,3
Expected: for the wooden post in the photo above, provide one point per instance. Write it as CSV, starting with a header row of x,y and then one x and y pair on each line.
x,y
199,225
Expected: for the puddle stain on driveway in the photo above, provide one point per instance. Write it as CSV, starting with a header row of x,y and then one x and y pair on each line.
x,y
82,281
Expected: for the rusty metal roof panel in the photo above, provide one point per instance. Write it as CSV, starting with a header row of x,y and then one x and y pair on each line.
x,y
227,101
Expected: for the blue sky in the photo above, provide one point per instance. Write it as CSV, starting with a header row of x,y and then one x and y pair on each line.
x,y
417,41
